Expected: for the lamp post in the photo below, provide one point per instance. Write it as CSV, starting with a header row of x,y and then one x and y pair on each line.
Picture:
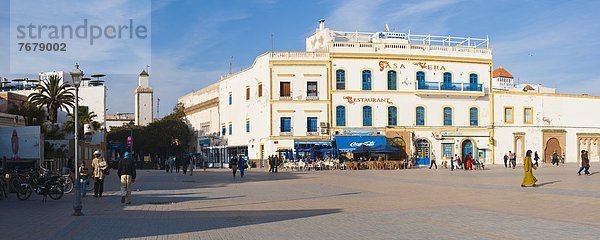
x,y
77,74
131,124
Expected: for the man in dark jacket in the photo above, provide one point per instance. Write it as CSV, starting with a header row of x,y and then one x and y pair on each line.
x,y
126,173
585,163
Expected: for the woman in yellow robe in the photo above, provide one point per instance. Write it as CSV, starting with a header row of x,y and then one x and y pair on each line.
x,y
528,180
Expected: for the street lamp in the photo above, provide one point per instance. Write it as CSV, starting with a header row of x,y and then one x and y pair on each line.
x,y
131,124
76,75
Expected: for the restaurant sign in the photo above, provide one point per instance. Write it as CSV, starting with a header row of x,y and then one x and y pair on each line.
x,y
383,65
353,100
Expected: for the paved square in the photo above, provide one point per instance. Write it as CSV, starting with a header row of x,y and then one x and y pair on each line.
x,y
405,204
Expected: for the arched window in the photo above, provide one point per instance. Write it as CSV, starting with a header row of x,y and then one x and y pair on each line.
x,y
367,116
474,116
447,116
447,85
366,80
340,116
391,80
420,116
340,79
392,116
473,82
421,80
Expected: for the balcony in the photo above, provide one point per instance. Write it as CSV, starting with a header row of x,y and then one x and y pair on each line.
x,y
449,88
312,98
285,133
285,97
312,133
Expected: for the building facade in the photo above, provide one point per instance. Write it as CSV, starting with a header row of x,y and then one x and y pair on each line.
x,y
426,95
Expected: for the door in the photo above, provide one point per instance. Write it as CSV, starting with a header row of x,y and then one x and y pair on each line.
x,y
423,151
467,147
551,146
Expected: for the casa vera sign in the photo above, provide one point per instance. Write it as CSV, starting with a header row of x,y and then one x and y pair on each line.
x,y
383,65
352,100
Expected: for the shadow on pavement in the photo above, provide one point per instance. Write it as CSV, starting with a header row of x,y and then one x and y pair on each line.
x,y
176,222
547,183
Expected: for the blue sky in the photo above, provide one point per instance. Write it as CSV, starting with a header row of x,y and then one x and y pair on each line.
x,y
550,42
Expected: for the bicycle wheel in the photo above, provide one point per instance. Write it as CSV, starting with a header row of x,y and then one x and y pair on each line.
x,y
3,193
68,184
56,191
24,192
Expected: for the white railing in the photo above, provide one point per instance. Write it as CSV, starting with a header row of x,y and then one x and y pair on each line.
x,y
366,37
300,55
312,98
312,133
408,47
285,133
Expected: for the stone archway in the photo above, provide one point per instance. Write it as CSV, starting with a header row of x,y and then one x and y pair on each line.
x,y
552,145
399,143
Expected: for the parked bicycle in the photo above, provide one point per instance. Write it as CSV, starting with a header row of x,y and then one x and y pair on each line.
x,y
43,184
3,186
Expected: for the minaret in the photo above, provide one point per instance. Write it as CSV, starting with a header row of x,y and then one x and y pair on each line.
x,y
144,98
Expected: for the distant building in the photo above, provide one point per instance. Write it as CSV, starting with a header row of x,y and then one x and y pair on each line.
x,y
118,120
502,79
144,97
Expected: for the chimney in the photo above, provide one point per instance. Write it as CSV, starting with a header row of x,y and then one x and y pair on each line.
x,y
321,24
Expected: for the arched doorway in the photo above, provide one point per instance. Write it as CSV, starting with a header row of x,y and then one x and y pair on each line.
x,y
399,143
467,147
552,145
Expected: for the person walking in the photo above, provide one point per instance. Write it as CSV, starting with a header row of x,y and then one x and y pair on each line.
x,y
233,165
528,179
562,159
451,163
554,158
167,163
241,165
432,160
192,164
271,163
513,160
585,163
469,161
277,161
459,162
171,164
185,162
177,163
83,177
505,160
127,175
536,159
99,170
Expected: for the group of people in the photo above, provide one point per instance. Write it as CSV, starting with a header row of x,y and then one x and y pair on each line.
x,y
125,171
238,163
455,162
528,166
176,163
510,160
274,162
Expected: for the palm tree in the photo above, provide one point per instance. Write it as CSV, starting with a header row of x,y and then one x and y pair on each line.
x,y
54,96
84,116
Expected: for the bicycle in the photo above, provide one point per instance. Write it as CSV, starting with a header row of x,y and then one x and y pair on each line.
x,y
3,186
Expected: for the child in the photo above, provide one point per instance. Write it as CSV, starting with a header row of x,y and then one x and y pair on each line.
x,y
83,176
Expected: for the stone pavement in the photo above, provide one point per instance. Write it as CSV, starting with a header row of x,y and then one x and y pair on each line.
x,y
392,204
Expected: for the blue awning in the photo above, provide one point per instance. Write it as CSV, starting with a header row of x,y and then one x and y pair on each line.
x,y
349,143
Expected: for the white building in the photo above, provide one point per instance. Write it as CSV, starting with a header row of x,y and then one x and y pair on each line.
x,y
423,94
144,97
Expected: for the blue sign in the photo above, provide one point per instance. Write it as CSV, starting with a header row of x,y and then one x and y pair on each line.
x,y
349,143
